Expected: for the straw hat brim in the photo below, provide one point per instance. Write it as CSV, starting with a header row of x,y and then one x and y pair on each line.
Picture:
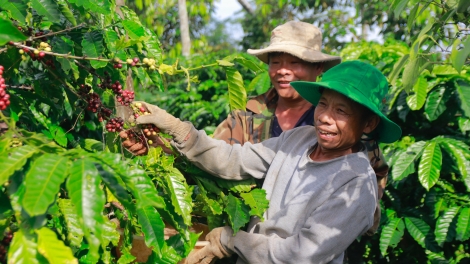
x,y
306,54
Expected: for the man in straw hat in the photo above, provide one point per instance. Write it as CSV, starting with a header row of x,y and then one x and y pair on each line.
x,y
318,179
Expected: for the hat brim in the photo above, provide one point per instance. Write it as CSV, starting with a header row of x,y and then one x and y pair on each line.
x,y
386,132
300,52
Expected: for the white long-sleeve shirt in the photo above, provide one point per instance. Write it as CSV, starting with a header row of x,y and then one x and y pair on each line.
x,y
316,209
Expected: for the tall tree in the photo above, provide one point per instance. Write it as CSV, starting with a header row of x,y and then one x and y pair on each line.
x,y
184,28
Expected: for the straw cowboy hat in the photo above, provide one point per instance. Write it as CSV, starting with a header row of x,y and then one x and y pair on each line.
x,y
359,82
300,39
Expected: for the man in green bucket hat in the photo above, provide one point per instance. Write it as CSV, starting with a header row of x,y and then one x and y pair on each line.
x,y
318,179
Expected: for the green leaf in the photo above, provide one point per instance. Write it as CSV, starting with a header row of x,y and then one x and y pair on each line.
x,y
397,67
398,7
260,83
238,213
418,229
53,249
417,100
463,6
72,221
9,32
117,187
391,234
23,249
64,45
14,161
463,90
411,73
236,89
464,124
109,233
134,29
225,63
86,194
412,16
47,8
65,10
59,135
405,164
43,182
458,57
17,8
153,227
237,186
430,165
111,37
459,157
92,45
257,201
252,65
463,224
435,104
180,194
443,224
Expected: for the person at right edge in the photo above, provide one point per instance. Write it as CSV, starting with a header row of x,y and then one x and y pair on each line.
x,y
321,188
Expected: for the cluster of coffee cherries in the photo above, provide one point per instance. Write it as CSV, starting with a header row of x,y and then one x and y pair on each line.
x,y
124,97
4,96
150,63
133,62
115,124
94,103
4,246
147,129
37,54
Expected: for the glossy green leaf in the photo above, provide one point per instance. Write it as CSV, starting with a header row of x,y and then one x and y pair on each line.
x,y
236,89
463,6
418,229
443,224
463,90
64,45
117,187
257,201
153,47
43,182
250,64
74,230
261,83
463,224
65,10
111,38
92,45
59,135
53,249
153,228
411,73
47,8
9,32
435,104
134,30
17,9
180,194
109,233
429,168
458,57
23,249
464,124
391,234
238,213
412,16
14,161
405,164
459,157
86,194
417,100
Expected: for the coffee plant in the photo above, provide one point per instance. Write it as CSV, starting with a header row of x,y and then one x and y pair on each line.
x,y
69,192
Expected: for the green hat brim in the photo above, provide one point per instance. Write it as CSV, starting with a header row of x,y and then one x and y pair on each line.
x,y
386,132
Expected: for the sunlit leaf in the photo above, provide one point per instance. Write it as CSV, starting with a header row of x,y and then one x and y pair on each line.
x,y
9,32
23,249
417,100
418,229
391,234
14,161
43,182
153,227
457,56
260,83
435,104
65,10
463,224
443,224
238,213
180,194
74,229
257,201
17,9
53,249
405,164
92,45
430,165
236,89
463,90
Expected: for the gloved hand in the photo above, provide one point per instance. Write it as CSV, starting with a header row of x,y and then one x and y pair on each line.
x,y
167,123
211,252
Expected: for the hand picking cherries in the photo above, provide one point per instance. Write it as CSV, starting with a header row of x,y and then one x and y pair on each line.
x,y
4,97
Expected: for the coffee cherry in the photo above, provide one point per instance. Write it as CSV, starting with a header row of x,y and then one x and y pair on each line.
x,y
4,96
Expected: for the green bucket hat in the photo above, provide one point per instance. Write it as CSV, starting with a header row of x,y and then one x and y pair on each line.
x,y
359,82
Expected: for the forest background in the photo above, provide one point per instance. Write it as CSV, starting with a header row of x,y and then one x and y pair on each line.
x,y
70,66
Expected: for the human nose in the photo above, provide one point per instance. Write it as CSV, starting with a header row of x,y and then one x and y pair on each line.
x,y
283,69
325,116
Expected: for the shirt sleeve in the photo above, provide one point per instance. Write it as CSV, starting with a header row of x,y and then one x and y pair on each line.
x,y
326,234
232,162
233,129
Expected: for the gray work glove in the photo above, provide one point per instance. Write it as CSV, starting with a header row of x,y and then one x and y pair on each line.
x,y
167,123
211,252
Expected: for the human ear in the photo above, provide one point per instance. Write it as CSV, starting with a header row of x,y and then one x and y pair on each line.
x,y
371,124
